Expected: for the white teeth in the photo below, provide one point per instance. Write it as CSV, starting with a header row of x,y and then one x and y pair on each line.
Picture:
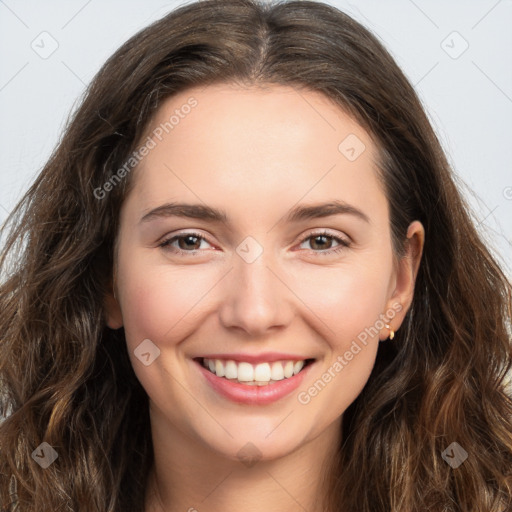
x,y
262,372
231,370
277,372
297,367
219,368
288,369
254,375
245,372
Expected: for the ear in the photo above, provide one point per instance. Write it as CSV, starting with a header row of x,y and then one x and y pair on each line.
x,y
114,317
406,272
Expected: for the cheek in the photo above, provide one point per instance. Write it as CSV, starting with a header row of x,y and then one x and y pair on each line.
x,y
348,305
347,299
160,302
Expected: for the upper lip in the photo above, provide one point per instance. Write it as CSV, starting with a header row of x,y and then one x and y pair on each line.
x,y
265,357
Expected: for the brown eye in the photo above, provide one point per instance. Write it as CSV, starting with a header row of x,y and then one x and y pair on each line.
x,y
187,243
322,243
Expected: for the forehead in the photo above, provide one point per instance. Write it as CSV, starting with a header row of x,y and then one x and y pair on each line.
x,y
224,143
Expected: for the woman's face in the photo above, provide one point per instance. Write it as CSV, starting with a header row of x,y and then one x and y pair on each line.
x,y
264,272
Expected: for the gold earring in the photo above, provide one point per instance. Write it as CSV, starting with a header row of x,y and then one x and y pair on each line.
x,y
391,332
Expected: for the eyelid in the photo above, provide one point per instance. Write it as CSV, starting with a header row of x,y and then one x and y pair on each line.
x,y
326,232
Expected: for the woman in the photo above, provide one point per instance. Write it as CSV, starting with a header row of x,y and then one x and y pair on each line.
x,y
245,278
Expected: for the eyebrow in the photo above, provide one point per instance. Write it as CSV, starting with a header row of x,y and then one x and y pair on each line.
x,y
192,211
315,211
296,214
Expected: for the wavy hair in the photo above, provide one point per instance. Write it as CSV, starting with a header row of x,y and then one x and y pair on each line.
x,y
66,378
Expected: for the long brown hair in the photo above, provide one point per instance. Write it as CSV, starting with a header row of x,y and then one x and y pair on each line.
x,y
66,379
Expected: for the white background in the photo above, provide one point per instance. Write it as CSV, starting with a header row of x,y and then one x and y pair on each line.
x,y
468,98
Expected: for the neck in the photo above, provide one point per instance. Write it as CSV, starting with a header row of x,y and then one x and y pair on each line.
x,y
188,476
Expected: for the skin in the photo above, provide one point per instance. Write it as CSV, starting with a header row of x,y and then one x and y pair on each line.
x,y
256,153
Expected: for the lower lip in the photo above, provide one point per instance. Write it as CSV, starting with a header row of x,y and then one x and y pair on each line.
x,y
253,395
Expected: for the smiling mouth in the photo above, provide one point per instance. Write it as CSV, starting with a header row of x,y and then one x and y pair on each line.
x,y
261,374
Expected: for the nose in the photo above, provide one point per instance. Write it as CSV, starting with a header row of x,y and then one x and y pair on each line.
x,y
256,298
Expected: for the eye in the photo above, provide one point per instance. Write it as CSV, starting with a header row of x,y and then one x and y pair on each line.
x,y
187,243
321,243
191,243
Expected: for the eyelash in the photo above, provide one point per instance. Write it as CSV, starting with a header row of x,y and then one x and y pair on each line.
x,y
343,244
